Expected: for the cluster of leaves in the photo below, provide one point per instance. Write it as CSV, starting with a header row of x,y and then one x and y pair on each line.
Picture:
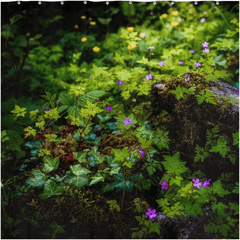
x,y
59,145
216,144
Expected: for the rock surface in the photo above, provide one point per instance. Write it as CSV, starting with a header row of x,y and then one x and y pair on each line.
x,y
188,229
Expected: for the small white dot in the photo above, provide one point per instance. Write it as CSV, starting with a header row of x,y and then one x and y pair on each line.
x,y
85,2
217,2
154,3
18,2
61,2
172,3
39,3
130,2
107,2
195,2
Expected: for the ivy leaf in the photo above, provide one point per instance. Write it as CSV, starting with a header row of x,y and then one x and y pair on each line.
x,y
56,229
96,178
81,180
111,160
38,181
107,187
34,219
120,183
142,183
80,156
79,170
115,171
50,189
50,164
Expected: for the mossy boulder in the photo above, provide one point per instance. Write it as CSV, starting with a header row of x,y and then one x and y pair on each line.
x,y
202,131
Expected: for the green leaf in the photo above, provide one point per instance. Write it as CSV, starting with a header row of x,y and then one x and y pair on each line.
x,y
50,164
221,147
96,178
80,156
217,189
220,207
38,181
9,105
119,58
173,164
164,140
62,108
224,229
91,96
66,99
194,209
115,170
120,154
56,229
236,138
128,9
177,180
104,21
235,207
107,187
50,189
120,183
37,36
143,183
211,227
81,180
34,219
143,60
79,170
155,227
15,140
18,52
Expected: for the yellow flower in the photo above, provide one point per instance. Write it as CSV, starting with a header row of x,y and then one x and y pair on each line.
x,y
130,29
76,26
96,49
174,23
92,23
83,17
141,34
131,46
84,39
90,19
174,13
164,15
